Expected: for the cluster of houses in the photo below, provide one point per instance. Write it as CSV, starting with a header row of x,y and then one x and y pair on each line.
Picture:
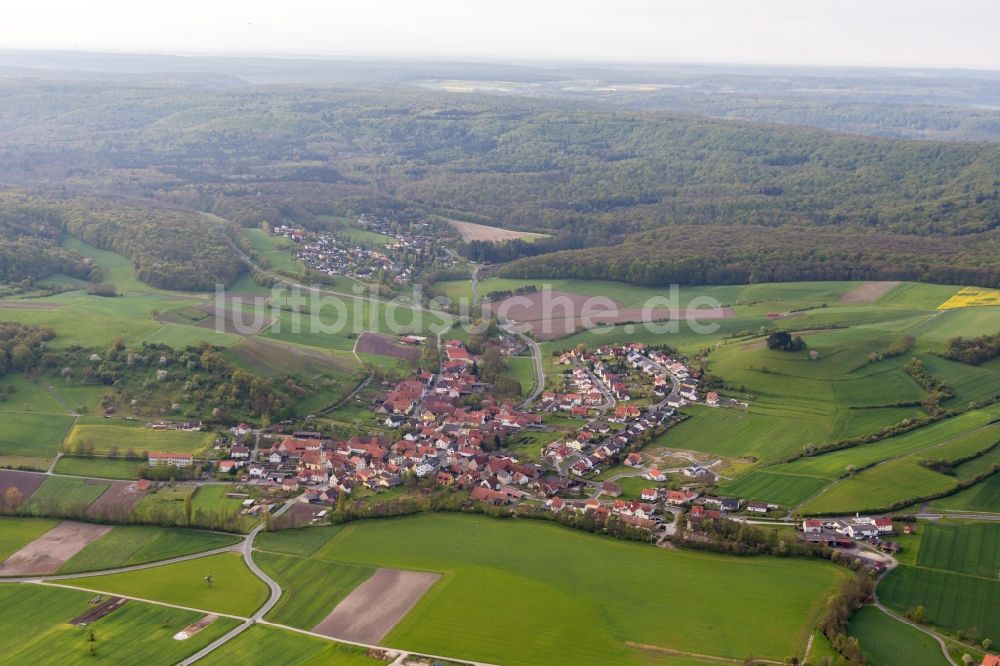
x,y
335,254
857,528
596,446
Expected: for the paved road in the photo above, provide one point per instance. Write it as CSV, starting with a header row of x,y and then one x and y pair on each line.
x,y
134,567
536,355
247,549
904,620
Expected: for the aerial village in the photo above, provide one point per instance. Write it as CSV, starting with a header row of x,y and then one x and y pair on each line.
x,y
373,248
450,432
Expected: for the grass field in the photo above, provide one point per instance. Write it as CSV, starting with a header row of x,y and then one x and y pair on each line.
x,y
972,549
522,369
953,576
18,532
34,629
26,395
903,478
773,604
784,489
984,496
950,600
276,250
126,545
886,641
235,589
31,440
264,646
60,494
103,468
139,439
969,427
310,588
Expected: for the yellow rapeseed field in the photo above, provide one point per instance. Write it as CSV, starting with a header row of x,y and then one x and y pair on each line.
x,y
972,296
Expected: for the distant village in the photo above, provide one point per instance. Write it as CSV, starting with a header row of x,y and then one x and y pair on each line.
x,y
411,248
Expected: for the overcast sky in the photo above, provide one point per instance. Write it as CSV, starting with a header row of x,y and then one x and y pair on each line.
x,y
931,33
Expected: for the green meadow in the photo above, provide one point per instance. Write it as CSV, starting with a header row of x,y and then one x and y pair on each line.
x,y
102,468
29,439
732,607
276,250
310,588
784,489
133,436
886,640
34,627
62,494
15,533
954,578
127,545
235,590
263,646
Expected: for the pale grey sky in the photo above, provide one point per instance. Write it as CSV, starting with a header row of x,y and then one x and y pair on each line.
x,y
931,33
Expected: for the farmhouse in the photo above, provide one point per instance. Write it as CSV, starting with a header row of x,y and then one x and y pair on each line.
x,y
175,459
812,526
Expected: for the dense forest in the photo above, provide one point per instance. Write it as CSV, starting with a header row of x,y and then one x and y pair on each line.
x,y
169,248
681,198
741,254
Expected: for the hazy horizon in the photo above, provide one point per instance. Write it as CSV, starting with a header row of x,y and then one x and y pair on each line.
x,y
889,34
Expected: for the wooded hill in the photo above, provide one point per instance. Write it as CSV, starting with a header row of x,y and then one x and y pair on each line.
x,y
785,200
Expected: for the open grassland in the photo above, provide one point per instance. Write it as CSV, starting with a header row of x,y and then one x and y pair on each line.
x,y
336,324
28,439
102,468
971,429
264,646
18,532
234,589
880,487
126,545
508,562
886,640
950,600
310,588
23,394
34,627
276,250
984,496
954,577
899,479
522,369
104,437
784,489
60,495
972,549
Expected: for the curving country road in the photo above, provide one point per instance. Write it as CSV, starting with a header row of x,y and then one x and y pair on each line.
x,y
891,613
536,356
247,549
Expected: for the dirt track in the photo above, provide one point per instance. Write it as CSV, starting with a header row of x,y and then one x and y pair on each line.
x,y
868,292
373,608
50,551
